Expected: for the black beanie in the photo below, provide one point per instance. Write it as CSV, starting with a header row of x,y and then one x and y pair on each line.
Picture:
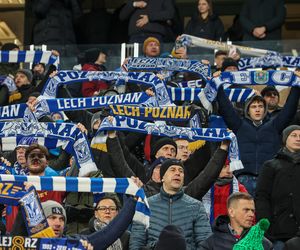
x,y
286,132
160,143
228,62
171,237
167,163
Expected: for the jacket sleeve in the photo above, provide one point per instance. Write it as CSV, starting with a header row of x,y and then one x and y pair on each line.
x,y
136,166
202,228
230,115
205,245
127,10
264,192
41,7
61,162
279,17
119,164
202,183
109,234
244,18
19,227
197,162
289,110
138,236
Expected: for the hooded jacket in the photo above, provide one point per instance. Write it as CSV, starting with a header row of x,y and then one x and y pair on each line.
x,y
258,142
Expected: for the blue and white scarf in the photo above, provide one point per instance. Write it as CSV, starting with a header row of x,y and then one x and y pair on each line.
x,y
96,185
193,41
168,64
55,134
193,94
67,77
47,106
191,134
29,56
9,82
272,77
271,59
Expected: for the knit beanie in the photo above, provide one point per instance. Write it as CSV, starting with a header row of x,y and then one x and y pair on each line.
x,y
286,132
51,207
168,163
149,40
267,89
228,62
254,238
27,73
160,143
171,237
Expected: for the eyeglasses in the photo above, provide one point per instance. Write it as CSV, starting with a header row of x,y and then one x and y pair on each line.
x,y
38,155
295,136
103,209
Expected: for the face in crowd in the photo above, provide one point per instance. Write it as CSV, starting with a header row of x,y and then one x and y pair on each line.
x,y
173,179
21,79
256,110
36,162
272,99
167,151
293,141
183,152
152,49
57,222
106,210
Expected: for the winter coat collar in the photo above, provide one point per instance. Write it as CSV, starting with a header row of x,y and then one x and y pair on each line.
x,y
166,196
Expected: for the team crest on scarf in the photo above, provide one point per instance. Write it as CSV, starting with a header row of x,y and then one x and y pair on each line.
x,y
261,77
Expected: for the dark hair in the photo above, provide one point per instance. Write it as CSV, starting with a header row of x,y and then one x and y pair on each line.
x,y
110,196
210,11
32,147
238,196
220,53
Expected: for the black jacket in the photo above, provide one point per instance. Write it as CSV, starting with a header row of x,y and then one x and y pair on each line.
x,y
222,238
55,19
278,195
212,28
159,12
268,13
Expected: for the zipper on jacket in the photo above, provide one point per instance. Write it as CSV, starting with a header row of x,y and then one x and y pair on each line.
x,y
170,211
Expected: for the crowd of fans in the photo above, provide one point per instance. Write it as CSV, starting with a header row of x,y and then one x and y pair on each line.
x,y
196,201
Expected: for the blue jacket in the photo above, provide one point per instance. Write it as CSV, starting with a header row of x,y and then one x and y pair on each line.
x,y
257,144
180,210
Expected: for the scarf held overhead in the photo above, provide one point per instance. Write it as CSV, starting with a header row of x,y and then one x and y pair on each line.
x,y
54,134
67,77
29,56
96,185
191,134
168,64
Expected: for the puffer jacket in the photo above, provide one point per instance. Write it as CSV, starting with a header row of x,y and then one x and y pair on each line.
x,y
278,195
257,143
180,210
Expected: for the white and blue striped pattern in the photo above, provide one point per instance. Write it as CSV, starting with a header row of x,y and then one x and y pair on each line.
x,y
28,56
96,185
192,94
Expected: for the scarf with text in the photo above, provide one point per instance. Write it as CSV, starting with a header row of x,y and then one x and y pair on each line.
x,y
66,135
68,77
271,59
168,64
123,123
96,185
272,77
